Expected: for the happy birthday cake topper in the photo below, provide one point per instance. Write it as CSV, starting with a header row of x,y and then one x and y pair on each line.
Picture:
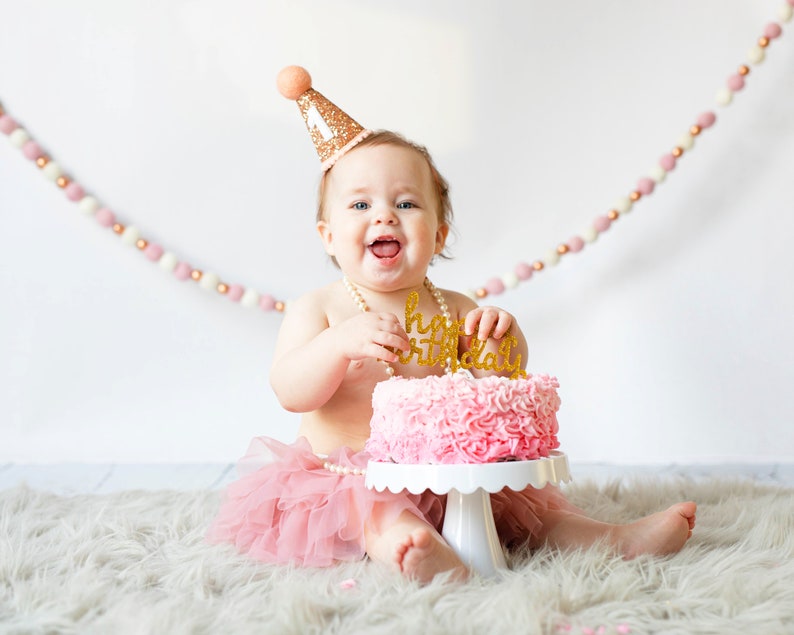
x,y
437,344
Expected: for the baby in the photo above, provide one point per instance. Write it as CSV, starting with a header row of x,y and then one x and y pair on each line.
x,y
383,216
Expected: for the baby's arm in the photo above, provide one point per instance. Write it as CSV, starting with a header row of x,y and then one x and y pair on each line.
x,y
312,358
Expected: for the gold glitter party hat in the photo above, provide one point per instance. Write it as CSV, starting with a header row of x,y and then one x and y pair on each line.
x,y
332,130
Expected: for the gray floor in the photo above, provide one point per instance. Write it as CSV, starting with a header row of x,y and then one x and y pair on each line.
x,y
101,478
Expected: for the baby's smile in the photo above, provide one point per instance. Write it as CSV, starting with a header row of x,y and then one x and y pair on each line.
x,y
385,247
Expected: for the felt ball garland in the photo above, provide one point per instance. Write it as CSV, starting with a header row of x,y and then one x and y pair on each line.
x,y
523,271
646,185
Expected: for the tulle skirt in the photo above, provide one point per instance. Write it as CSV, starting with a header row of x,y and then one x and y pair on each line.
x,y
287,508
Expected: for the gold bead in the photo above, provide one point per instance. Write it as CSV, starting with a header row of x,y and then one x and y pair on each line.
x,y
196,275
223,287
562,249
118,228
141,244
481,292
62,181
744,70
613,214
695,130
279,306
42,161
635,196
677,152
538,265
763,41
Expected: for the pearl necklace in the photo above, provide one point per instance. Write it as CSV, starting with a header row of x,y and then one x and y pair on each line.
x,y
523,271
432,289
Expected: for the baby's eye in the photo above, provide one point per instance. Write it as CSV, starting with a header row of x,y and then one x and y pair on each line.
x,y
405,205
360,206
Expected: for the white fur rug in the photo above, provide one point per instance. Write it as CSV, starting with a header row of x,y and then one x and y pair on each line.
x,y
135,562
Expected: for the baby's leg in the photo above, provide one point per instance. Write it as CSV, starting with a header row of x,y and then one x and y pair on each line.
x,y
658,534
415,548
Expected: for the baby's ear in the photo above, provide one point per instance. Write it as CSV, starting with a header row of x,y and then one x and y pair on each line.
x,y
441,237
325,235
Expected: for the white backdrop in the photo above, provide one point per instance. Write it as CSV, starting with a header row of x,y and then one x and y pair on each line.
x,y
670,335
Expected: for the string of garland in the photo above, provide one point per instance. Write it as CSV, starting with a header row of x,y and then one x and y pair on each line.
x,y
523,271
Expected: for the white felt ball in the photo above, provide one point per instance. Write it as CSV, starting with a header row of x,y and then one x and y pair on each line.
x,y
756,55
590,234
209,281
52,171
686,141
130,235
19,137
168,261
250,298
657,173
724,96
786,13
88,205
510,280
472,294
551,257
623,205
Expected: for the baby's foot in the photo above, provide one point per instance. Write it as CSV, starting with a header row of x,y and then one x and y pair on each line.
x,y
658,534
421,556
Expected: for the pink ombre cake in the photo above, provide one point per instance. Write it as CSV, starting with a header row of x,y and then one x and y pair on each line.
x,y
459,419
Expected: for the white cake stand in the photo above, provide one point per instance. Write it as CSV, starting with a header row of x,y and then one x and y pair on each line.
x,y
468,523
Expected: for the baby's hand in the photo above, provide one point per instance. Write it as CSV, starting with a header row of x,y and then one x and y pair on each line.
x,y
369,334
487,321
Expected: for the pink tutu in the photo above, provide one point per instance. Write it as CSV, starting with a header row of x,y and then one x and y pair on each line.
x,y
286,507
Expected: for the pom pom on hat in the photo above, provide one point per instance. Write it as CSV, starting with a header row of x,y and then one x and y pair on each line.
x,y
293,81
331,129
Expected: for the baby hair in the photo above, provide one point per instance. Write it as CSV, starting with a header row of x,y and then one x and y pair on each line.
x,y
387,137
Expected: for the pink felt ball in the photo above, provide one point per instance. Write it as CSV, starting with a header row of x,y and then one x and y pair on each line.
x,y
74,192
267,302
7,125
495,286
32,150
153,252
105,217
182,271
735,82
772,30
706,119
235,292
667,162
575,244
524,271
645,186
293,81
602,223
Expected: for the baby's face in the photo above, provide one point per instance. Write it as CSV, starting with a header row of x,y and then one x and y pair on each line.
x,y
381,217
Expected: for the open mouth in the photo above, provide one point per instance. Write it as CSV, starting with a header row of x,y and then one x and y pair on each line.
x,y
385,247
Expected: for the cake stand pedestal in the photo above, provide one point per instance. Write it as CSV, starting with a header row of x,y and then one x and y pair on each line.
x,y
468,523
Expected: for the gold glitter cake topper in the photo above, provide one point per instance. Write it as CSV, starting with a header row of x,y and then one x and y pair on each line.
x,y
437,344
331,129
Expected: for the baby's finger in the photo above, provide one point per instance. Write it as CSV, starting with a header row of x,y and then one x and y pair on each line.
x,y
472,318
502,325
486,325
392,340
388,322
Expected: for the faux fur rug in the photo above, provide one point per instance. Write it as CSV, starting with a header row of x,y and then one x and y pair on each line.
x,y
136,562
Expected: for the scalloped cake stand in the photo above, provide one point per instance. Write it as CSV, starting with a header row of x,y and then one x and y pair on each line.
x,y
468,523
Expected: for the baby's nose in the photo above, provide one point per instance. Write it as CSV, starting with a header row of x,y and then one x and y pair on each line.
x,y
386,216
